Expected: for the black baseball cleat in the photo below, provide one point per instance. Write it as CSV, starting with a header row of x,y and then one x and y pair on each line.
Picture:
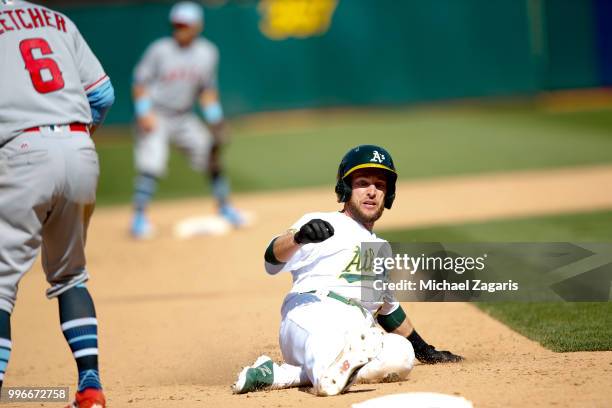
x,y
429,355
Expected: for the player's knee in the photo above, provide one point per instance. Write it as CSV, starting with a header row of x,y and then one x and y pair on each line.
x,y
156,170
397,355
394,362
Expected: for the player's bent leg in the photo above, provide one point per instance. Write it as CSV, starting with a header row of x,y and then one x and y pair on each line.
x,y
358,348
393,363
195,140
150,159
220,188
27,182
26,185
329,339
64,235
145,187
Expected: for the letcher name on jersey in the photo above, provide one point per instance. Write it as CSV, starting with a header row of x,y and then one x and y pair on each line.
x,y
30,18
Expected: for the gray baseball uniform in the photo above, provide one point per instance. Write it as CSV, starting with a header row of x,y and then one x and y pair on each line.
x,y
175,76
48,163
46,70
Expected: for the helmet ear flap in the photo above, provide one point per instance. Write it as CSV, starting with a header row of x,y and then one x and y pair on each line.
x,y
343,190
389,200
390,196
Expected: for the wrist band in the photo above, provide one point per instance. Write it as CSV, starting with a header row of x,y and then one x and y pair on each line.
x,y
213,113
142,106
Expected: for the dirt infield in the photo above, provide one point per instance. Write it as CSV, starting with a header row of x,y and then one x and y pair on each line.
x,y
179,318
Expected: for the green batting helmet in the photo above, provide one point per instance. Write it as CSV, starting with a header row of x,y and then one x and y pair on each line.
x,y
365,156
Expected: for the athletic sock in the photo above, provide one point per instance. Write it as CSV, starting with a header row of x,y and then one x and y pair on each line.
x,y
80,328
287,375
145,186
5,343
220,188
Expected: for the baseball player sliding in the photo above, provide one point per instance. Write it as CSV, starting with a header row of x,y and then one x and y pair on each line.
x,y
171,76
328,337
54,95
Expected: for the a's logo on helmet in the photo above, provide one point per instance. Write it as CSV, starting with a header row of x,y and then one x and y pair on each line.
x,y
377,157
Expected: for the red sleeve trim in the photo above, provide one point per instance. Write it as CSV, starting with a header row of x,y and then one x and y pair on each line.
x,y
87,88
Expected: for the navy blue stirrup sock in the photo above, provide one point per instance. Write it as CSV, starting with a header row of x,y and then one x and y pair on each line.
x,y
5,343
80,328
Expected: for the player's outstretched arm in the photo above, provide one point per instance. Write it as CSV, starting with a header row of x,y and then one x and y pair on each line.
x,y
283,247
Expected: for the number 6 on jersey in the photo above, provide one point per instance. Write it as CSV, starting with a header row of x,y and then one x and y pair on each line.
x,y
35,66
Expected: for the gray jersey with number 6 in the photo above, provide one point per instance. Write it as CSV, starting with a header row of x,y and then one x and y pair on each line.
x,y
43,53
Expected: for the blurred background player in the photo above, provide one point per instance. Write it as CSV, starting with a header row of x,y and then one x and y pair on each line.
x,y
54,92
172,75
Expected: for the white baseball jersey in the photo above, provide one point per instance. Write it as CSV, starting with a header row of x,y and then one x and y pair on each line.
x,y
46,69
175,76
315,327
334,264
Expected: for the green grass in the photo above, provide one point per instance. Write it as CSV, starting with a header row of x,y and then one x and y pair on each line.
x,y
425,142
560,327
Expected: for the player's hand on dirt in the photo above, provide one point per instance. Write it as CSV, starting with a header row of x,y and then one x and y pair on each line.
x,y
313,231
147,123
429,355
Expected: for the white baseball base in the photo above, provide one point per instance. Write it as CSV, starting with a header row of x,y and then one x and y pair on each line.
x,y
416,400
207,225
